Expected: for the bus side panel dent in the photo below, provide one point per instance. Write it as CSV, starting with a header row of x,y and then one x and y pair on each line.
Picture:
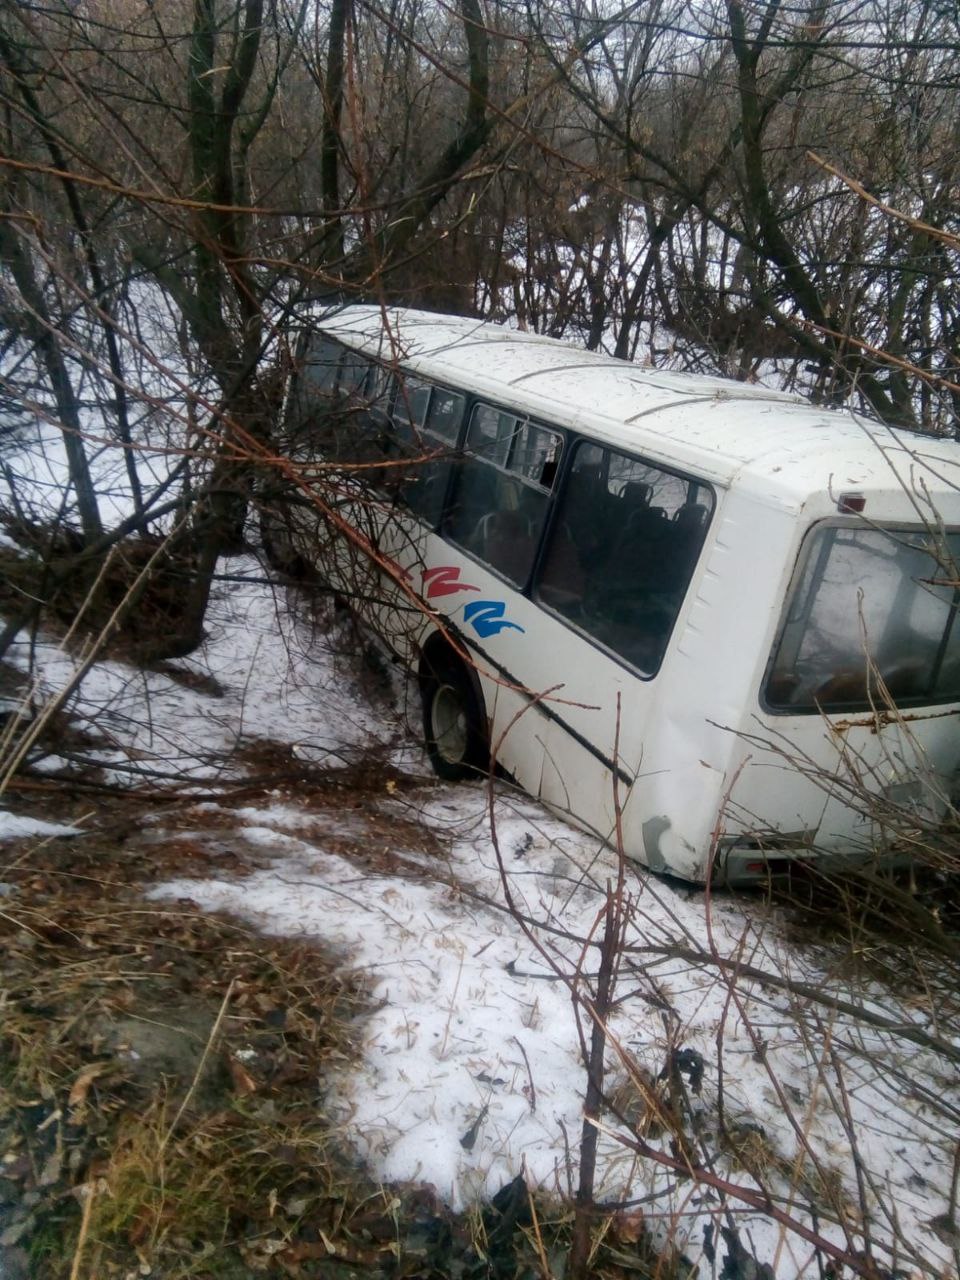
x,y
675,812
653,830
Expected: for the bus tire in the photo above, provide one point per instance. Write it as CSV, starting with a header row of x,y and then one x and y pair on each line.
x,y
453,720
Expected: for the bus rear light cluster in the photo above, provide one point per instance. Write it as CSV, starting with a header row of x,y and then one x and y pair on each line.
x,y
851,504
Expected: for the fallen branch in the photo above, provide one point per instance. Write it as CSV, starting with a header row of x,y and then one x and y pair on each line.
x,y
945,237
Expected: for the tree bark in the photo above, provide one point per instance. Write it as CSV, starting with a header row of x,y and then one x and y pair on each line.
x,y
43,331
100,291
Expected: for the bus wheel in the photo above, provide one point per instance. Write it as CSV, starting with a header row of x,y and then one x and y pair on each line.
x,y
452,721
278,545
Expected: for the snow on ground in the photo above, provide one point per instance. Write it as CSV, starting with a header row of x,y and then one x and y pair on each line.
x,y
15,826
262,686
474,1034
472,1068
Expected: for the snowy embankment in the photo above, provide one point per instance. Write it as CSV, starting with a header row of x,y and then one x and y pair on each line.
x,y
833,1098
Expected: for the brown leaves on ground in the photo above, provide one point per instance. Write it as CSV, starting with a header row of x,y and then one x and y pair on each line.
x,y
163,1072
111,1077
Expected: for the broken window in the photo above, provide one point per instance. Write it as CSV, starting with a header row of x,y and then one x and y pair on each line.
x,y
502,491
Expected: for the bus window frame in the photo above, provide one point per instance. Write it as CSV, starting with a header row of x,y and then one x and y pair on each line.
x,y
549,493
422,435
577,441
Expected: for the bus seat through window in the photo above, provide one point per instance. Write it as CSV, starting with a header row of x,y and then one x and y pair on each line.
x,y
621,553
508,544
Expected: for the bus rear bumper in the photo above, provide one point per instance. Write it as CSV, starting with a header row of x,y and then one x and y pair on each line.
x,y
743,862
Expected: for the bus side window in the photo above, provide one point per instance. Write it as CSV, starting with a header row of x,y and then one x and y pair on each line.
x,y
446,415
410,408
503,488
321,359
340,409
316,381
378,391
354,369
427,423
622,550
351,432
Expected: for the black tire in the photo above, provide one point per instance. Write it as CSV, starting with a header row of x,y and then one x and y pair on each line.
x,y
454,726
277,544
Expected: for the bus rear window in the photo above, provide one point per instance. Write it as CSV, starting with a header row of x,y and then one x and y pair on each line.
x,y
872,610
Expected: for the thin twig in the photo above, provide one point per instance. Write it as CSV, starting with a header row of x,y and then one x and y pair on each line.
x,y
88,1191
936,233
533,1091
201,1065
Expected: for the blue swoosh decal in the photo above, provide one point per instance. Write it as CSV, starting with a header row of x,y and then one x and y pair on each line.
x,y
486,617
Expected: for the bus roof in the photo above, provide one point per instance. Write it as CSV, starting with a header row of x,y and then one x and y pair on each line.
x,y
768,441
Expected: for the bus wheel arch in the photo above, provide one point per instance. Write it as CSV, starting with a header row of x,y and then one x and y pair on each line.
x,y
455,727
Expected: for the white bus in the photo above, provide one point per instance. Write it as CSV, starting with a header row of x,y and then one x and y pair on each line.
x,y
723,613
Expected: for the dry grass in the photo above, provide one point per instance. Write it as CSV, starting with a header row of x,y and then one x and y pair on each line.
x,y
169,1064
752,1150
54,567
901,928
162,1084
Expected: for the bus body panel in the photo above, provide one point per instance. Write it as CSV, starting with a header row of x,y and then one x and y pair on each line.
x,y
691,744
689,763
528,664
837,786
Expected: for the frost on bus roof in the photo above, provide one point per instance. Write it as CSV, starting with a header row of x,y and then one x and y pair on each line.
x,y
763,439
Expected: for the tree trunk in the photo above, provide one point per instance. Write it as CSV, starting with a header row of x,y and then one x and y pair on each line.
x,y
15,252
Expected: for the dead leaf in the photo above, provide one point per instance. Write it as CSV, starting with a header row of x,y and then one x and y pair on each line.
x,y
243,1082
343,1249
629,1227
81,1086
50,1173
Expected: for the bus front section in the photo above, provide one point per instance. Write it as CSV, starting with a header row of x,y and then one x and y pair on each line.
x,y
852,757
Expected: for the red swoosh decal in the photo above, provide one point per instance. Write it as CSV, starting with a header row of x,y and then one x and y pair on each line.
x,y
444,581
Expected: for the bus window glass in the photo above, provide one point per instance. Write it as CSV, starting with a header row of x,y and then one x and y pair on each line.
x,y
313,392
446,414
354,369
410,409
490,434
502,491
378,391
535,454
335,409
622,550
321,359
357,433
431,436
872,609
